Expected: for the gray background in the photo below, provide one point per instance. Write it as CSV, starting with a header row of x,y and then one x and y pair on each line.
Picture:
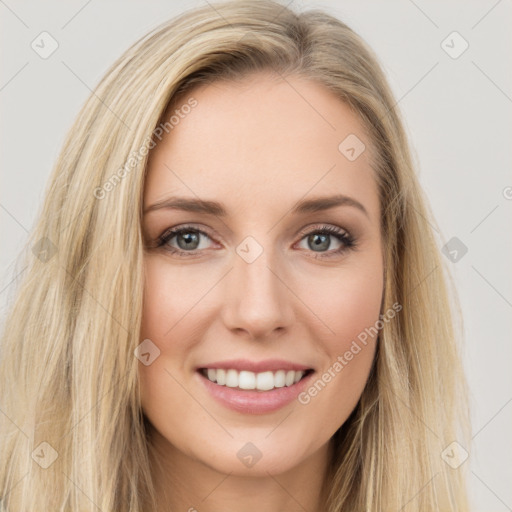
x,y
458,117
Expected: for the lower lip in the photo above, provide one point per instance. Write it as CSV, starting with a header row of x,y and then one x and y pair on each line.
x,y
254,402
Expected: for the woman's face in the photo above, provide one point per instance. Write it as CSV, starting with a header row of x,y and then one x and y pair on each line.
x,y
253,283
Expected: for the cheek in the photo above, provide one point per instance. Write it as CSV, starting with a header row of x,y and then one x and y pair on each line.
x,y
349,304
165,303
172,317
170,294
347,300
167,300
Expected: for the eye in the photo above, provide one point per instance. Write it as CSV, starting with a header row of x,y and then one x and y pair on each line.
x,y
188,240
320,240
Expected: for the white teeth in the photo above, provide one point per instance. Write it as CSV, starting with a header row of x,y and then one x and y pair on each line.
x,y
231,378
263,381
246,380
279,378
219,375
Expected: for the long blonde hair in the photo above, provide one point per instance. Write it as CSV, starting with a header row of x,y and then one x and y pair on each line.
x,y
68,373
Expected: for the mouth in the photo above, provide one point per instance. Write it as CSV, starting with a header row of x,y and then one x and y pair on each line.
x,y
245,380
254,387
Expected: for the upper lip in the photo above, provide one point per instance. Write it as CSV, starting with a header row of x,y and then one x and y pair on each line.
x,y
256,366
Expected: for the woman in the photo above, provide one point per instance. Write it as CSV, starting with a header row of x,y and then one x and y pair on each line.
x,y
234,299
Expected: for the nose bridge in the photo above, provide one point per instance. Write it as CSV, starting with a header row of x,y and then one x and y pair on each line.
x,y
257,301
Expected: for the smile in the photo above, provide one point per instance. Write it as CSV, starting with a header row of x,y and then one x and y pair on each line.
x,y
247,380
254,387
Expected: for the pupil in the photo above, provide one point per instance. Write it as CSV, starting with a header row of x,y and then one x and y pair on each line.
x,y
319,241
189,237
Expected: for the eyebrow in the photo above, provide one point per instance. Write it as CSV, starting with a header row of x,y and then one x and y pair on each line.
x,y
215,208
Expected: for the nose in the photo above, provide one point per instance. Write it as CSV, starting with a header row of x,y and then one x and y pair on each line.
x,y
258,300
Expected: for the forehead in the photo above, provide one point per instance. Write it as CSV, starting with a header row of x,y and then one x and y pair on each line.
x,y
262,140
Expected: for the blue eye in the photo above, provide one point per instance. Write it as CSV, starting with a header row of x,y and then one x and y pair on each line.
x,y
186,241
319,241
187,238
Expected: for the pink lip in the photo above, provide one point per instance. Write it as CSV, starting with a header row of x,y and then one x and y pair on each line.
x,y
267,365
254,402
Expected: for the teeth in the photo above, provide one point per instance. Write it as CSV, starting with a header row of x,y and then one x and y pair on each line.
x,y
263,381
220,375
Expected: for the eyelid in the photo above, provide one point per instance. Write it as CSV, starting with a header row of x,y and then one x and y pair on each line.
x,y
318,226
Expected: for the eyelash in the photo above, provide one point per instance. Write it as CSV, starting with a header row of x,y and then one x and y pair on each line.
x,y
344,237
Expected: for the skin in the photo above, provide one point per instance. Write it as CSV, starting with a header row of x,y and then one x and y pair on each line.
x,y
258,146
